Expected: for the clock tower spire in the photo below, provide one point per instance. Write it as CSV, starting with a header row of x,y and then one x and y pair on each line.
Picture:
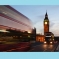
x,y
46,23
46,16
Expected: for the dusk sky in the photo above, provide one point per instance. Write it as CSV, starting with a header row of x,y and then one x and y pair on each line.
x,y
36,14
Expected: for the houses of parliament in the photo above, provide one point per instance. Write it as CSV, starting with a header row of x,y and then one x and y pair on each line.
x,y
46,24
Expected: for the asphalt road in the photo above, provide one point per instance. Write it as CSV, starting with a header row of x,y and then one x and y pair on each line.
x,y
57,49
40,47
30,47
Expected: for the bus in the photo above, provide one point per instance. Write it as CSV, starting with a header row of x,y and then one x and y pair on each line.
x,y
49,38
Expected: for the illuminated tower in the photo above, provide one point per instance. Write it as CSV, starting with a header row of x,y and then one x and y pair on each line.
x,y
46,23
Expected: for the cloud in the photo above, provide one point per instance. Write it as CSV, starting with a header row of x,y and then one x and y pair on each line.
x,y
39,19
55,29
52,24
41,16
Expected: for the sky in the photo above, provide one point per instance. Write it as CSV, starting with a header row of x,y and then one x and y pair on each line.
x,y
36,14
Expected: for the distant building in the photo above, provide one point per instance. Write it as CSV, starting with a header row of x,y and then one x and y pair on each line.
x,y
40,38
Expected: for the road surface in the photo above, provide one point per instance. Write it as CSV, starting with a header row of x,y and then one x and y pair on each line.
x,y
43,47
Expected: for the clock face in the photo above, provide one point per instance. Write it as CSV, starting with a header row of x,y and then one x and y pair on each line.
x,y
45,22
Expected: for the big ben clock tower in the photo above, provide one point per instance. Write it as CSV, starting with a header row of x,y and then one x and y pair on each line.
x,y
46,24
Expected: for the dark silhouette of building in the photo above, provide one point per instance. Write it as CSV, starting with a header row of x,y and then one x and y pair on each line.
x,y
34,31
56,38
34,34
